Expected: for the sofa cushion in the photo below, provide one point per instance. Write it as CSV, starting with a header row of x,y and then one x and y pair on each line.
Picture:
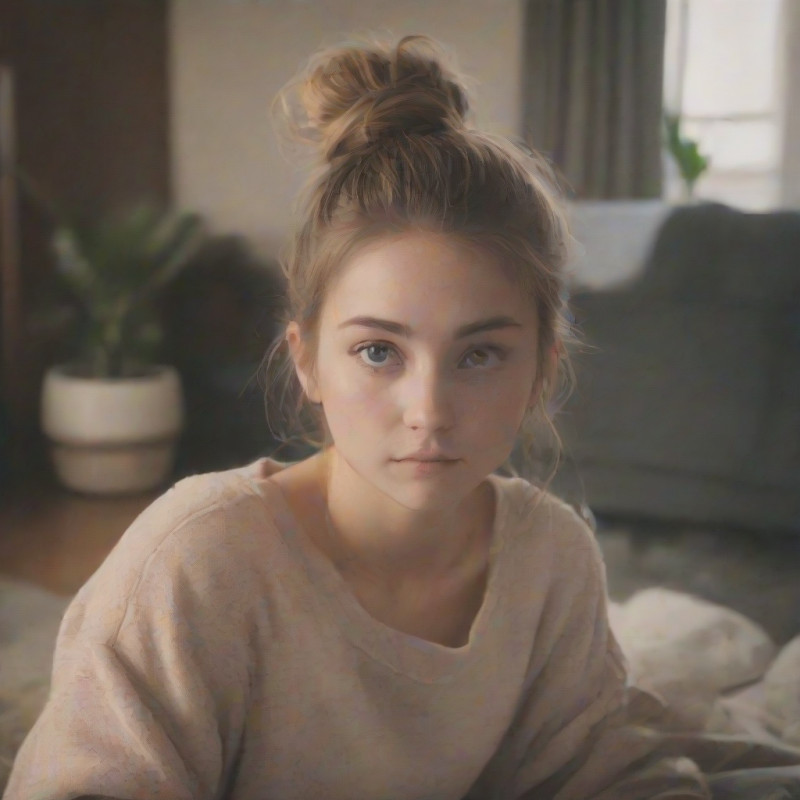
x,y
718,254
670,386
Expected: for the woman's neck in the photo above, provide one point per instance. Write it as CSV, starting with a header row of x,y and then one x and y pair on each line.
x,y
371,534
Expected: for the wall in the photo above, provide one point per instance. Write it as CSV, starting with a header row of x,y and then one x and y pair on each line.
x,y
230,58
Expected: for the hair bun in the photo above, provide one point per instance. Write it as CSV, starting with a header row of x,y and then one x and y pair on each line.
x,y
359,95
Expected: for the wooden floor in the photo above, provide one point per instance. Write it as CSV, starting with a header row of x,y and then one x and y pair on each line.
x,y
57,539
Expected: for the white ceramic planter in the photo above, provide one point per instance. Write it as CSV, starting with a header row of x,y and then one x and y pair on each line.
x,y
112,436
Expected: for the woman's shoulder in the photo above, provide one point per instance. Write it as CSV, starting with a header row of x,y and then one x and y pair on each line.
x,y
210,533
540,511
542,528
210,509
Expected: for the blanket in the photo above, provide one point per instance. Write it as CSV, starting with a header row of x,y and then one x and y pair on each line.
x,y
716,670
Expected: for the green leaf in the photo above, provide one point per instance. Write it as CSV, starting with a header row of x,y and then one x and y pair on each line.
x,y
115,270
685,152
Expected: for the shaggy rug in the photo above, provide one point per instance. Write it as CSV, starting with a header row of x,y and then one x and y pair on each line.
x,y
29,620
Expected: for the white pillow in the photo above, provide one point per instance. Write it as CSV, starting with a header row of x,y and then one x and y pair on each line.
x,y
782,691
688,650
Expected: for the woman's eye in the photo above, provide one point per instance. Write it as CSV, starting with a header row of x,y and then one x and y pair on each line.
x,y
375,355
482,357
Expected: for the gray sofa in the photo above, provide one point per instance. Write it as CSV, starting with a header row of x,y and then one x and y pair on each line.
x,y
688,403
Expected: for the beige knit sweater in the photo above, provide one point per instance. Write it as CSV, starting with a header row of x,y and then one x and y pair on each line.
x,y
217,653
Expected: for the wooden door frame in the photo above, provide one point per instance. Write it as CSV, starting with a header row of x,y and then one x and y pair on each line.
x,y
10,278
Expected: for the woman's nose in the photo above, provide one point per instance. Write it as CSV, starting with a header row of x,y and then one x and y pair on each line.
x,y
428,403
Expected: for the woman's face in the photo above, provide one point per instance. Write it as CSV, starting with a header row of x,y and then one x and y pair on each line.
x,y
425,366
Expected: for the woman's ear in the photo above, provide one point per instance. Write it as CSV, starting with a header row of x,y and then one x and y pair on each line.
x,y
302,360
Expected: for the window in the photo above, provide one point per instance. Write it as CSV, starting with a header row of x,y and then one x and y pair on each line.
x,y
723,73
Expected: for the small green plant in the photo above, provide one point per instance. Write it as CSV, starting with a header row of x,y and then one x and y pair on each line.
x,y
686,153
114,270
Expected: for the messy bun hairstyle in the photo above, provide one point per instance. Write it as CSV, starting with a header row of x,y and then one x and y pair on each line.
x,y
395,152
358,98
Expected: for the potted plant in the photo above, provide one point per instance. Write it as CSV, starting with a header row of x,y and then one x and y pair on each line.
x,y
685,152
113,415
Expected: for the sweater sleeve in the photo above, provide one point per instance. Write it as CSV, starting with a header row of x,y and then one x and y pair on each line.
x,y
581,732
150,674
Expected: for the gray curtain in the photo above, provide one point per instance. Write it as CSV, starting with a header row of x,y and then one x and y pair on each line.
x,y
593,72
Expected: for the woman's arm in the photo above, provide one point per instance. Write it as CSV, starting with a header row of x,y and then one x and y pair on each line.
x,y
150,677
581,733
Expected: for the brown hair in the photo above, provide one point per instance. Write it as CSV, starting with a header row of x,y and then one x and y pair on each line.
x,y
391,123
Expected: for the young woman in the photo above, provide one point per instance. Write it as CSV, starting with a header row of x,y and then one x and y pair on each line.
x,y
389,618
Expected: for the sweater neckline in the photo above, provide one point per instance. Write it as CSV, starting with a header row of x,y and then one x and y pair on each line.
x,y
417,658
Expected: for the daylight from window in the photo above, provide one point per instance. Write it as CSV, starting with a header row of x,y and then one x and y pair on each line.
x,y
723,75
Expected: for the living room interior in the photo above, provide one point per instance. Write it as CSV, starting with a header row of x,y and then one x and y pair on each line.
x,y
682,439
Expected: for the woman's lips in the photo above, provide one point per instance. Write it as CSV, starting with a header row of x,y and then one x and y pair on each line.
x,y
427,455
428,466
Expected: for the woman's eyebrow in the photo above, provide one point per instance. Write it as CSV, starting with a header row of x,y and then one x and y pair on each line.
x,y
490,324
